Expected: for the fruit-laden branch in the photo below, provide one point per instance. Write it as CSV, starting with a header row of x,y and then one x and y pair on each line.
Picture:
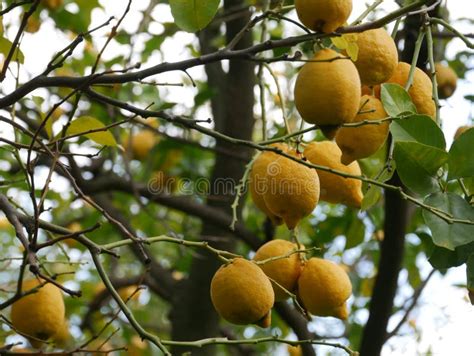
x,y
198,343
214,216
225,341
224,54
177,119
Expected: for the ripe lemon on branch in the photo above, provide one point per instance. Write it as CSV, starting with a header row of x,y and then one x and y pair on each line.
x,y
285,271
324,287
258,181
420,91
40,314
140,144
327,91
335,188
323,15
282,188
242,293
446,79
377,56
363,141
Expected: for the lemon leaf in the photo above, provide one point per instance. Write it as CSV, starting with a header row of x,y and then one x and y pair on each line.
x,y
461,156
351,37
193,15
6,45
396,100
353,51
339,42
444,234
417,165
418,128
84,124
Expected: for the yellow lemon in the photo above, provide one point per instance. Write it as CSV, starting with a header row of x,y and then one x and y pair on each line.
x,y
62,336
421,91
323,15
363,141
334,188
33,24
284,271
372,90
377,58
327,93
324,288
242,293
124,292
40,314
130,292
461,130
5,224
140,144
292,190
446,79
137,347
294,350
74,227
258,181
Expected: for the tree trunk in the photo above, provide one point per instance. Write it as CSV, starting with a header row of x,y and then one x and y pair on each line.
x,y
385,288
396,219
193,316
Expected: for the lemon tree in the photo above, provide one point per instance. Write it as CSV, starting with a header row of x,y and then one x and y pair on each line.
x,y
234,177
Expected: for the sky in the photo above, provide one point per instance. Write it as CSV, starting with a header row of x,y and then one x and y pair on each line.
x,y
445,316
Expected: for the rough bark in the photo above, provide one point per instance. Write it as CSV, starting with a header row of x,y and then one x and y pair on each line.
x,y
385,288
193,316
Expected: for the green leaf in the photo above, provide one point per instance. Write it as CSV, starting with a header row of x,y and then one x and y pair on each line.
x,y
417,165
442,258
461,156
373,194
339,41
371,197
418,128
83,124
353,51
355,234
6,45
444,234
193,15
396,100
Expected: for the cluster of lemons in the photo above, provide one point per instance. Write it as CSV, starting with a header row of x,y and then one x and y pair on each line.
x,y
243,291
330,90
